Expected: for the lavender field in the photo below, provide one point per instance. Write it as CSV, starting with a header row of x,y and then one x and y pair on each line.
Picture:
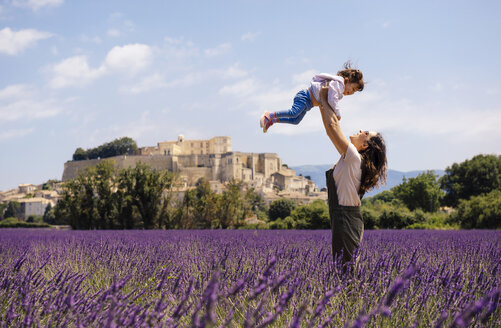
x,y
247,279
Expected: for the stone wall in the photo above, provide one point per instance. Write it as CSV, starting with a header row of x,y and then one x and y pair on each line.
x,y
72,168
220,167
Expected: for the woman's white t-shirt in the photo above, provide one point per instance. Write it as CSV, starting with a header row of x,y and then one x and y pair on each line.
x,y
347,176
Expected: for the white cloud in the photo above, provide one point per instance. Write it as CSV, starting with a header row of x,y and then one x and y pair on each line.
x,y
219,50
179,49
15,42
249,36
304,78
74,71
16,91
158,81
28,109
129,25
178,41
186,79
14,133
385,24
95,39
377,110
234,71
37,4
119,25
296,60
240,89
149,83
113,32
140,128
437,87
129,58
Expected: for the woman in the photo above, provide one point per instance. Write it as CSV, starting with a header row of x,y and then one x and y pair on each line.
x,y
362,166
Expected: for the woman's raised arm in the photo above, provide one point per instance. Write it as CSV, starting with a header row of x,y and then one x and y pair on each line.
x,y
331,123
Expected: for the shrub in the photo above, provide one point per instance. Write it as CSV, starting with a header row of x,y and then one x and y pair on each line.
x,y
282,224
281,208
10,220
479,212
15,223
422,192
312,216
479,175
34,219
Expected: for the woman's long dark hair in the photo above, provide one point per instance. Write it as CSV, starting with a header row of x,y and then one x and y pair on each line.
x,y
374,164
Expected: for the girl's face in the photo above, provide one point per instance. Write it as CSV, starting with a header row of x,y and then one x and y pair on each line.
x,y
359,139
350,88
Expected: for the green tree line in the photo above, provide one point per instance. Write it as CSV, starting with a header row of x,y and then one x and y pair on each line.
x,y
469,194
121,146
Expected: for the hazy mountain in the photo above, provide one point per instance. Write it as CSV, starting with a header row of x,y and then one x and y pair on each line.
x,y
317,174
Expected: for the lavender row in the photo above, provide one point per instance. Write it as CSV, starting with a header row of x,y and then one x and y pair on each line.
x,y
247,279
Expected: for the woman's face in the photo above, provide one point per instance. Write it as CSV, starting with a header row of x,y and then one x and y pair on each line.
x,y
359,139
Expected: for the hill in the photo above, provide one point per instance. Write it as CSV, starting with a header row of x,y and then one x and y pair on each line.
x,y
317,174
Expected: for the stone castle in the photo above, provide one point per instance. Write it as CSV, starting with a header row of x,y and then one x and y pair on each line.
x,y
213,160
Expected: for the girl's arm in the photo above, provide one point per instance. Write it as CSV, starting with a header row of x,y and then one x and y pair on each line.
x,y
331,123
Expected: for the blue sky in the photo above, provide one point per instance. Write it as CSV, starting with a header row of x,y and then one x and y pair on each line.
x,y
81,73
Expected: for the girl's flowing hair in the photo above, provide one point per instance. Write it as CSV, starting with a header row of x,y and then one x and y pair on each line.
x,y
352,75
374,164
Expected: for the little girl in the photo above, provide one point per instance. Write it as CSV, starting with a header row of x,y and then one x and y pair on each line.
x,y
346,82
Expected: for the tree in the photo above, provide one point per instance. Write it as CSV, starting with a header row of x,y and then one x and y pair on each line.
x,y
48,215
421,192
386,196
80,155
230,206
120,146
253,203
104,185
13,210
479,212
3,207
126,218
99,198
394,217
312,216
205,211
281,208
49,185
147,191
479,175
185,213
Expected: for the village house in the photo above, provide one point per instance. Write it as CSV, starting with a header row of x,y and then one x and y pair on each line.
x,y
34,206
